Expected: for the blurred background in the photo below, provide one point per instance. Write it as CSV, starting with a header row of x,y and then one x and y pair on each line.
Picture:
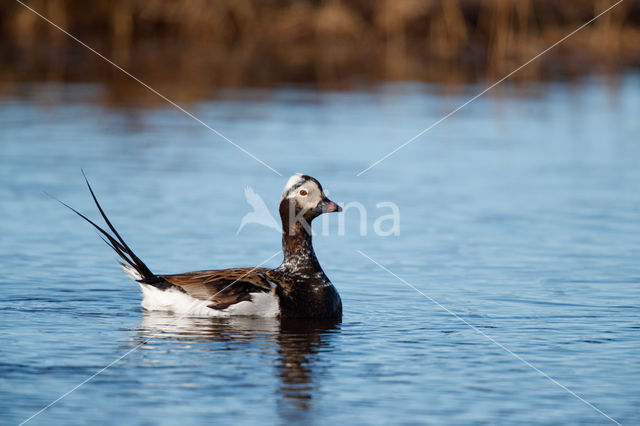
x,y
520,213
187,50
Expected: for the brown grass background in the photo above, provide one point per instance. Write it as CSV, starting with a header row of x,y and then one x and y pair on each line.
x,y
188,49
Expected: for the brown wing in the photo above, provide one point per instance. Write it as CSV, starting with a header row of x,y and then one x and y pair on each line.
x,y
223,287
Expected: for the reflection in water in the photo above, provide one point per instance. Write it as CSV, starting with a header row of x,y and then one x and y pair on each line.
x,y
297,345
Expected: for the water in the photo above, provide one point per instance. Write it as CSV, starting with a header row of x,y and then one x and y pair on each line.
x,y
520,215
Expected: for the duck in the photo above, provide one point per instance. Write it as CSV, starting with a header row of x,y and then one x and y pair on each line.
x,y
297,289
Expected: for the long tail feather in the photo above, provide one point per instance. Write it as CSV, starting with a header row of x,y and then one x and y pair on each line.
x,y
116,242
124,247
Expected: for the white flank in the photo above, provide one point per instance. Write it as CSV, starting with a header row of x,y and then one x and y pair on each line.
x,y
260,305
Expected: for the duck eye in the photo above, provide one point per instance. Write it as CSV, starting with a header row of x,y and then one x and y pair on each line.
x,y
303,192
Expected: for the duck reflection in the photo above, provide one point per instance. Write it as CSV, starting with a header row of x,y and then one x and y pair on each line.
x,y
296,345
299,344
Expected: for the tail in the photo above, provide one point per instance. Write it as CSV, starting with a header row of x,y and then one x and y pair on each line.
x,y
131,264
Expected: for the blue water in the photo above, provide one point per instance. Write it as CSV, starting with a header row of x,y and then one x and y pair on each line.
x,y
520,215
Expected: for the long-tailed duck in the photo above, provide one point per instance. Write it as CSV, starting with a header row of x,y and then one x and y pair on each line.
x,y
298,288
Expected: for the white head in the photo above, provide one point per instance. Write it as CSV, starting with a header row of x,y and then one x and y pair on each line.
x,y
305,194
292,182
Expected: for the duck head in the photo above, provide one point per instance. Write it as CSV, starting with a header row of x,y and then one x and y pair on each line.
x,y
302,201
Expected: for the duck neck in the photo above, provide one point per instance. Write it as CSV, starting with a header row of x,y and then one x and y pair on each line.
x,y
299,257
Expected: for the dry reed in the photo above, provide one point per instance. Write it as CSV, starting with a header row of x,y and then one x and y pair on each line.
x,y
190,47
